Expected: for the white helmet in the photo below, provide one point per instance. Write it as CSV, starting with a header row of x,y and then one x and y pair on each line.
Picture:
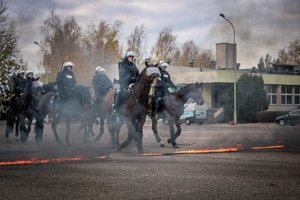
x,y
163,64
127,54
68,64
99,70
21,71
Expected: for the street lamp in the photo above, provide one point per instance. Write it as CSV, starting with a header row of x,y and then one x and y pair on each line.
x,y
45,51
234,67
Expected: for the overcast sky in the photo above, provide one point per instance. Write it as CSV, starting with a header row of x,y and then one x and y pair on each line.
x,y
262,26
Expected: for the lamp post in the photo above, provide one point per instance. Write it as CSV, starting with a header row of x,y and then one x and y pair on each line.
x,y
45,51
234,67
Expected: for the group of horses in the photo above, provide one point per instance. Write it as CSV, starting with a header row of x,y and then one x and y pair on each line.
x,y
134,111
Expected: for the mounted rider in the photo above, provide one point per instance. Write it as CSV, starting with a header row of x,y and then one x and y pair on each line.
x,y
162,88
19,85
66,82
128,74
101,84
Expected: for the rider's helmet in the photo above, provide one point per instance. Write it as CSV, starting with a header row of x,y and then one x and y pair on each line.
x,y
20,72
30,75
99,70
163,65
68,65
127,54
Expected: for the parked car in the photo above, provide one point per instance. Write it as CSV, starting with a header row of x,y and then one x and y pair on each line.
x,y
194,113
291,118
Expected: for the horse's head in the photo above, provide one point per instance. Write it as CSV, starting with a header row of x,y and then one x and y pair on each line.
x,y
194,92
150,73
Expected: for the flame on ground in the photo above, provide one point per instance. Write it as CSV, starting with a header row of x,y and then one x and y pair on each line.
x,y
37,161
269,147
152,154
199,151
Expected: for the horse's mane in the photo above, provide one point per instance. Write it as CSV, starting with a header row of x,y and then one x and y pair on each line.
x,y
182,91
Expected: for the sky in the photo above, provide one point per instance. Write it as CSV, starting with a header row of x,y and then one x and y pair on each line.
x,y
261,26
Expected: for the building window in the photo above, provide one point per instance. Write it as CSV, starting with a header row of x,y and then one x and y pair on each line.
x,y
286,94
297,95
271,94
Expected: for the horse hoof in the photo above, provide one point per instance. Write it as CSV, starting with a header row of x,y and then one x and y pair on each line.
x,y
169,141
161,144
175,146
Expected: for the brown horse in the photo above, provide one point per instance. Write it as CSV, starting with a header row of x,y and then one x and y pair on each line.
x,y
134,112
136,107
174,108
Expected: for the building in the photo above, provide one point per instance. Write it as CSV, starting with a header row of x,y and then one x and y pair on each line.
x,y
282,85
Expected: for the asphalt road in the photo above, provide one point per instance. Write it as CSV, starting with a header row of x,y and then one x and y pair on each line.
x,y
245,174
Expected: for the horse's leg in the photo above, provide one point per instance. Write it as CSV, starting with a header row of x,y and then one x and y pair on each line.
x,y
68,131
17,126
172,132
178,131
28,125
139,133
54,124
9,125
101,129
112,131
23,130
156,134
117,131
39,130
130,129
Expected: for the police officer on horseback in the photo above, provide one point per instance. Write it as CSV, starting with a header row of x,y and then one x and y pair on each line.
x,y
19,85
101,84
128,74
162,88
66,81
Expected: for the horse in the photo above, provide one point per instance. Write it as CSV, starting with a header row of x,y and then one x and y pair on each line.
x,y
44,107
22,113
114,123
78,106
174,108
137,106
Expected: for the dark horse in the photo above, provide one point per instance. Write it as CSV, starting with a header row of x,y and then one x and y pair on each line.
x,y
44,105
137,106
115,123
78,106
24,112
174,108
21,114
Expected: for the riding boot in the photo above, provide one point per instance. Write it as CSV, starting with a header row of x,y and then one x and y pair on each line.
x,y
117,103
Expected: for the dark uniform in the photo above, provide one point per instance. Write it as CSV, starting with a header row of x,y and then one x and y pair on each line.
x,y
128,74
162,88
19,86
66,83
101,84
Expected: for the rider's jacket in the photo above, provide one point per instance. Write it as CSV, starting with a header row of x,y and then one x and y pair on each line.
x,y
128,73
65,81
101,84
165,77
19,84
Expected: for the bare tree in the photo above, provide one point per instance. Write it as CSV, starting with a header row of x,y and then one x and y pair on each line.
x,y
137,42
63,39
101,43
268,61
291,55
190,54
165,45
10,58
